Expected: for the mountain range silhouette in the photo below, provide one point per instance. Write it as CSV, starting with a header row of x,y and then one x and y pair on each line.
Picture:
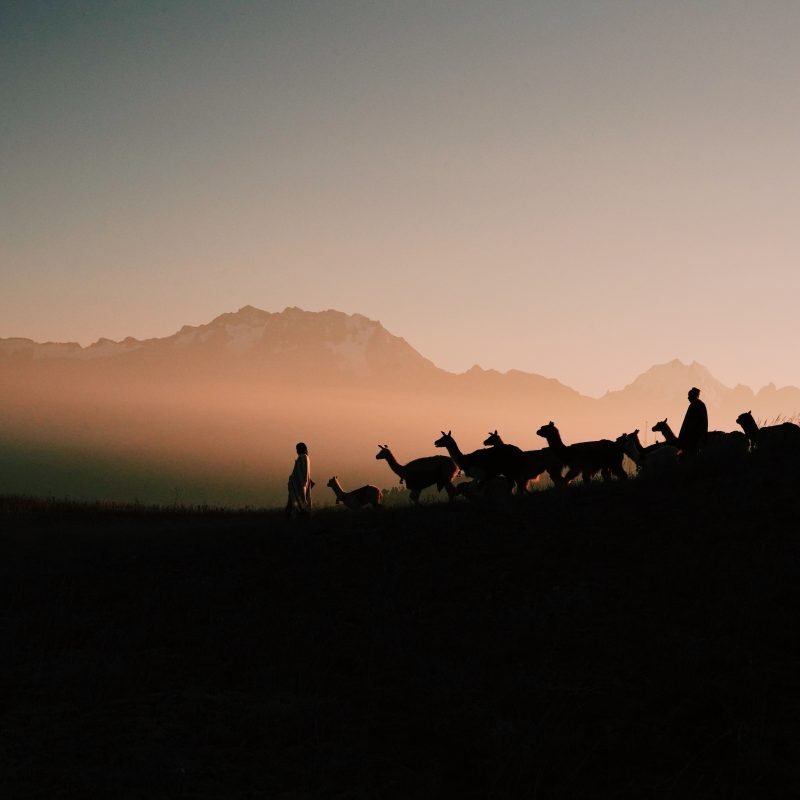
x,y
226,401
347,344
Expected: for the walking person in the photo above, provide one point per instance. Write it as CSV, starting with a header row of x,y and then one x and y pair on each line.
x,y
300,483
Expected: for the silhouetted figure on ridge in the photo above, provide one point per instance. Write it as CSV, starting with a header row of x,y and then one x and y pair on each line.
x,y
300,483
694,430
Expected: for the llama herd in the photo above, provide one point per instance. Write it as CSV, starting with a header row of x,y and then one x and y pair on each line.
x,y
511,468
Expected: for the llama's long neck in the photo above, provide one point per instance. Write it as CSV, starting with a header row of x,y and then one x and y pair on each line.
x,y
749,426
337,489
668,434
453,451
394,464
633,454
553,439
636,451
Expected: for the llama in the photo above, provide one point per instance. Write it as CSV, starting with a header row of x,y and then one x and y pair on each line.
x,y
420,473
482,465
534,463
493,440
654,460
585,458
773,438
359,498
664,429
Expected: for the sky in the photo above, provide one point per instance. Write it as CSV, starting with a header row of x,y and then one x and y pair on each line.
x,y
576,188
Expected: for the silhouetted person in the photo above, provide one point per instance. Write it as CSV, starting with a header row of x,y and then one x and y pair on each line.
x,y
300,483
694,430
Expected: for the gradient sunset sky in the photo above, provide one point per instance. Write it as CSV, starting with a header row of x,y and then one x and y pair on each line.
x,y
575,188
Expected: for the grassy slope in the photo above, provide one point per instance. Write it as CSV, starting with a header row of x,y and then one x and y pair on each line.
x,y
618,640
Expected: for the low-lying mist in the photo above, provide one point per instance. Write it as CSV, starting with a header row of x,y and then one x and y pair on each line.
x,y
111,435
206,444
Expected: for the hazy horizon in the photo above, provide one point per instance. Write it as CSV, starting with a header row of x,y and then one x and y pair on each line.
x,y
579,190
212,415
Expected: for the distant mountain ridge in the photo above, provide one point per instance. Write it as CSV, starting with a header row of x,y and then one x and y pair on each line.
x,y
333,343
351,344
663,381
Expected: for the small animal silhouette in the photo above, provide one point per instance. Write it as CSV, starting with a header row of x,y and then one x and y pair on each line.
x,y
359,498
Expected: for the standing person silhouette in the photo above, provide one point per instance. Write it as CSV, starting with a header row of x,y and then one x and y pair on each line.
x,y
694,430
300,483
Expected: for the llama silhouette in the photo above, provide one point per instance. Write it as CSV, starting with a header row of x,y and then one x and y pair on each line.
x,y
485,464
585,458
419,474
655,460
533,463
781,438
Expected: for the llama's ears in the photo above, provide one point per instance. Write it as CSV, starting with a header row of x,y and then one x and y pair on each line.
x,y
635,433
446,434
750,413
551,422
495,432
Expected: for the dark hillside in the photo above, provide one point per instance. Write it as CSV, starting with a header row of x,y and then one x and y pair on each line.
x,y
609,641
